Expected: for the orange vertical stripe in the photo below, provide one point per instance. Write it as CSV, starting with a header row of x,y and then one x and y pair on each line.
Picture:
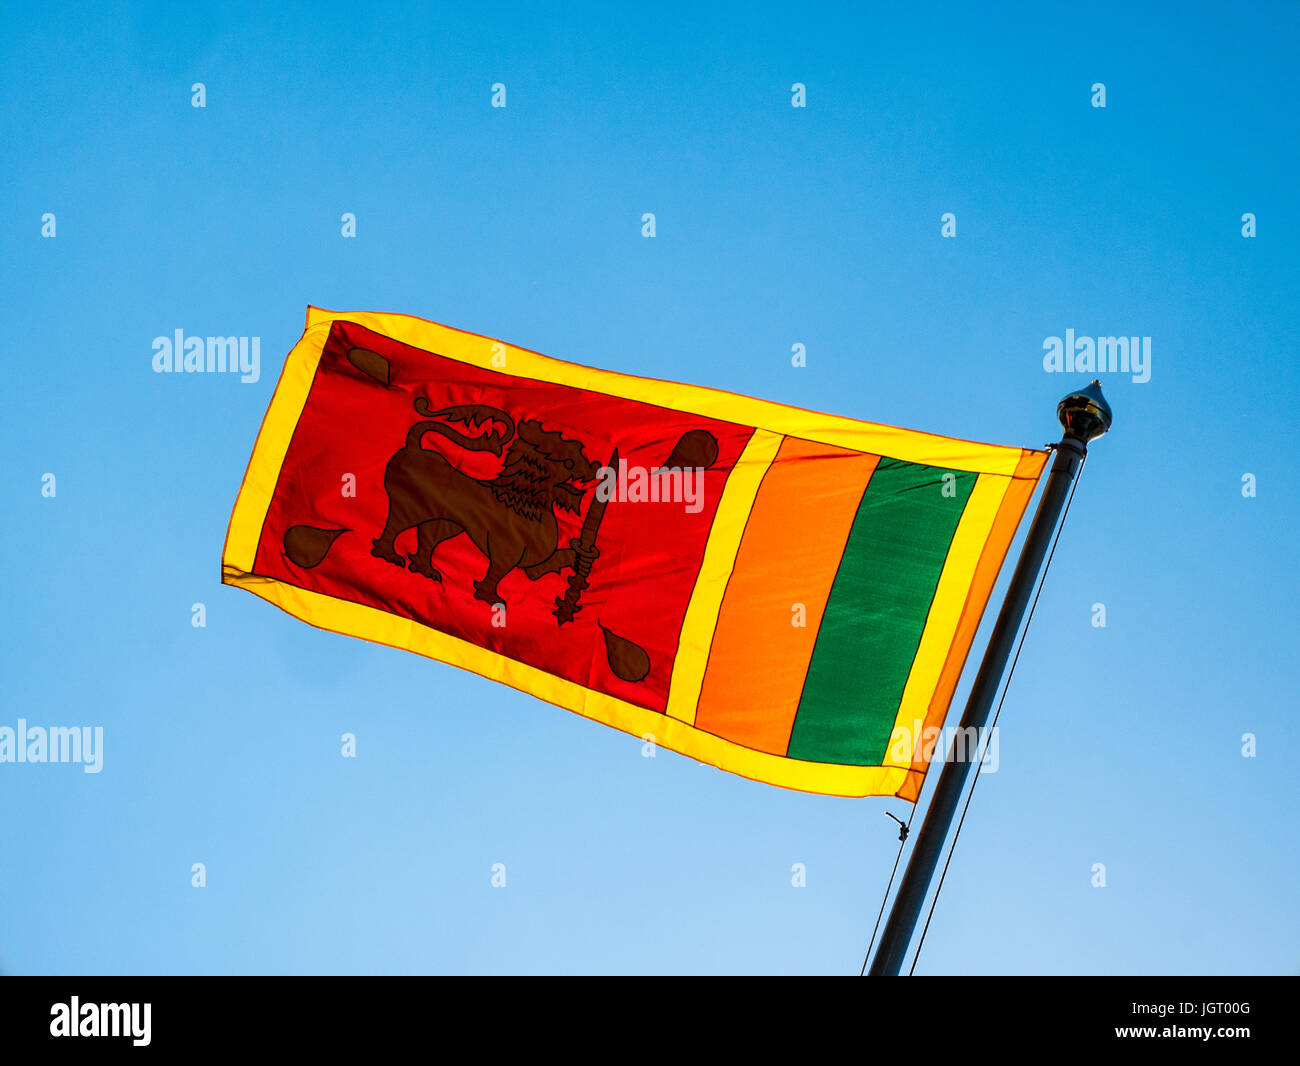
x,y
789,553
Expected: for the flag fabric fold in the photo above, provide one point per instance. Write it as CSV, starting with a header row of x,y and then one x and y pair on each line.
x,y
787,595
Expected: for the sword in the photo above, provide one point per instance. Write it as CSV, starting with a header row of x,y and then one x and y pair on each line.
x,y
569,605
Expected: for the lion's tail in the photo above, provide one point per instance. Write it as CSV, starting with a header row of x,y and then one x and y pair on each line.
x,y
471,414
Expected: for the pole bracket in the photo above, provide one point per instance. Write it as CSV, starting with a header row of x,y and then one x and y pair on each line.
x,y
902,826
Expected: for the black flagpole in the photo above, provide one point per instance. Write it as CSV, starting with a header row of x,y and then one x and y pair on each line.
x,y
1084,415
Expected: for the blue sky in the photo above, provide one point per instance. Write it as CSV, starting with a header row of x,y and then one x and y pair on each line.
x,y
775,225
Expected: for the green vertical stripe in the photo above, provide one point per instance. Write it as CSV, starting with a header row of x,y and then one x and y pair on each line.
x,y
876,612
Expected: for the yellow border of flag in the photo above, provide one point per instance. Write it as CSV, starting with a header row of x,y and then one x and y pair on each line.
x,y
1007,477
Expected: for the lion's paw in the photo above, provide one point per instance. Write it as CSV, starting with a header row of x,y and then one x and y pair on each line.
x,y
418,566
379,551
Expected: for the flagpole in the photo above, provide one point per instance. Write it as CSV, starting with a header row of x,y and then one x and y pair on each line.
x,y
1084,415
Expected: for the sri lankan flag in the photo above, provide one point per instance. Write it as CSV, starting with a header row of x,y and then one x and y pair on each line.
x,y
786,595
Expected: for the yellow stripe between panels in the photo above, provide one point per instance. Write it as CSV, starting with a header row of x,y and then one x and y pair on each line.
x,y
711,585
